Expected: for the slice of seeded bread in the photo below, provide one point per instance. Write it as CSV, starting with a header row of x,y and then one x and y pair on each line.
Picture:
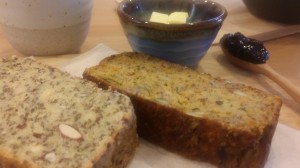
x,y
50,119
201,117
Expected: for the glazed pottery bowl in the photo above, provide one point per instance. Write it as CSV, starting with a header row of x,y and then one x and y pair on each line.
x,y
281,11
183,43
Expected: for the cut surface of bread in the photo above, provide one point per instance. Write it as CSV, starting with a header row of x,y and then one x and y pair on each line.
x,y
194,114
52,120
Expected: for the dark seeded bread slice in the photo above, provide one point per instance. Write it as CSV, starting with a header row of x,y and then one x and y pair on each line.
x,y
193,114
52,120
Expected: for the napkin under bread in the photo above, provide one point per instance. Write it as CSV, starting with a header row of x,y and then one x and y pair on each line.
x,y
285,146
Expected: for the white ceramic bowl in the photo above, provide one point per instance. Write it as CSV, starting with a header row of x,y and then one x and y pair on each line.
x,y
45,27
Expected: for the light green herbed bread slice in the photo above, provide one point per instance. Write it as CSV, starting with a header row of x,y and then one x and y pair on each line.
x,y
52,120
197,115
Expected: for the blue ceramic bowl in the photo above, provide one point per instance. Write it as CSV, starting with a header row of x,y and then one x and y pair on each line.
x,y
185,43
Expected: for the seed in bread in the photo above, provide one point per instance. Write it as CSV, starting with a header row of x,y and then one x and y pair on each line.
x,y
50,119
197,115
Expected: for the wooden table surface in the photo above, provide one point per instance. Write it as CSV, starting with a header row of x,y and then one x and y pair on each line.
x,y
285,51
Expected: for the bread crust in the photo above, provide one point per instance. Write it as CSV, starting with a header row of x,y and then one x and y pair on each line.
x,y
199,138
7,160
119,152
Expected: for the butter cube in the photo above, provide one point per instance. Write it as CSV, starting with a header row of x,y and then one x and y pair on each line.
x,y
159,17
178,17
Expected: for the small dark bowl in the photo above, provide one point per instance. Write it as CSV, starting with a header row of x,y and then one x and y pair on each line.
x,y
281,11
185,43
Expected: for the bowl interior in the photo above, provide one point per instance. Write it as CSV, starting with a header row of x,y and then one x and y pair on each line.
x,y
200,11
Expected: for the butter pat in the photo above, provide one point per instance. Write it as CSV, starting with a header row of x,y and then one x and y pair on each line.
x,y
178,17
159,18
173,18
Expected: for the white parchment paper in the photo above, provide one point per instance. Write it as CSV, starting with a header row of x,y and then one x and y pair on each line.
x,y
285,148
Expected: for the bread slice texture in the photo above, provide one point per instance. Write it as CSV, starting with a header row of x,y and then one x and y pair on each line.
x,y
192,113
50,119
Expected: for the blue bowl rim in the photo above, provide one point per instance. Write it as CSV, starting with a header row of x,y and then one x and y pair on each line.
x,y
213,22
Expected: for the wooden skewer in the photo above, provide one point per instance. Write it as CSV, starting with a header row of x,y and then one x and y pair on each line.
x,y
274,34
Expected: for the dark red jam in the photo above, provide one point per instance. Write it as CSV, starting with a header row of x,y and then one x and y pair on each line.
x,y
247,49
